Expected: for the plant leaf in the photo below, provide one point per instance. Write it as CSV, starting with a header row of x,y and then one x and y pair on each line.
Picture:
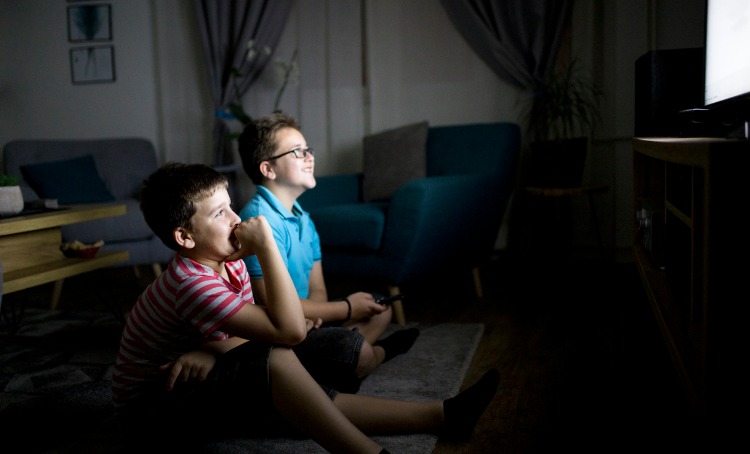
x,y
239,113
564,106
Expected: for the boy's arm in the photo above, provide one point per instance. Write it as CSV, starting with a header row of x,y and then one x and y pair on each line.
x,y
281,319
259,294
196,365
316,288
222,346
362,304
316,305
316,285
259,291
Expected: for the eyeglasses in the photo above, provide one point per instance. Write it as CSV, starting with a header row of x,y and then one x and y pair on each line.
x,y
299,153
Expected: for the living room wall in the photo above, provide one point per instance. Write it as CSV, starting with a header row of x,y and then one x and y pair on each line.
x,y
417,67
36,93
39,100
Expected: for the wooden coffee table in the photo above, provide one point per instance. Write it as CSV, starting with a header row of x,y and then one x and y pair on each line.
x,y
30,247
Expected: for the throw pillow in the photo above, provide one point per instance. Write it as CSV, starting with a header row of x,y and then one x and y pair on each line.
x,y
391,158
69,181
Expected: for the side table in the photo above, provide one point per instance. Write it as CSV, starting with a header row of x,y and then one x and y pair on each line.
x,y
30,247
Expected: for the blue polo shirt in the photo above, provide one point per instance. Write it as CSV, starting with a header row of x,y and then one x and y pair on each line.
x,y
295,235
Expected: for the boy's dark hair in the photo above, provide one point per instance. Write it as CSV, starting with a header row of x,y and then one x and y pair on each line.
x,y
169,196
257,143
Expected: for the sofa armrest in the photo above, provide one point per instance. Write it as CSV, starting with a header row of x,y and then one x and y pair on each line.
x,y
438,220
333,190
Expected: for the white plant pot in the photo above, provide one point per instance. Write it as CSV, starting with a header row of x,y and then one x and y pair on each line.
x,y
11,200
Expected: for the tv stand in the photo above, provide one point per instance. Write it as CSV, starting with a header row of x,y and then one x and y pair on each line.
x,y
691,250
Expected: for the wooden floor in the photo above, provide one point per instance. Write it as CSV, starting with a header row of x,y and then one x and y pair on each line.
x,y
583,366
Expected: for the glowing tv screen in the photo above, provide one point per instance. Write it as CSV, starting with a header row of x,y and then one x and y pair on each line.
x,y
727,76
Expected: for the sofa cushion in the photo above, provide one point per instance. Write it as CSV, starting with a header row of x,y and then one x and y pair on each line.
x,y
119,229
391,158
354,225
69,181
471,148
332,190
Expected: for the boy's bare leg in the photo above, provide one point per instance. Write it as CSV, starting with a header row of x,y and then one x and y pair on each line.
x,y
375,415
375,326
453,418
302,402
339,425
373,355
376,351
369,359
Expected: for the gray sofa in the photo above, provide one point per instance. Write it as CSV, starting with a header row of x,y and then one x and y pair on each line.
x,y
121,163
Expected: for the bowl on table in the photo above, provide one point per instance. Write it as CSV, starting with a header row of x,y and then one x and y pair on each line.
x,y
79,250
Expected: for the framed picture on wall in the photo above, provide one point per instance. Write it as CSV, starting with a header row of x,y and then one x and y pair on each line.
x,y
95,64
89,23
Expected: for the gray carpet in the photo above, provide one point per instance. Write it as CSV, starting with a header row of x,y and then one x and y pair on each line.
x,y
433,368
54,376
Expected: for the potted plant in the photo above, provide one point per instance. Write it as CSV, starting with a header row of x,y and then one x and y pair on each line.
x,y
289,72
560,118
11,198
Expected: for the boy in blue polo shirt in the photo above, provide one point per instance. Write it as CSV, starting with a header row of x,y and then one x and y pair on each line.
x,y
346,347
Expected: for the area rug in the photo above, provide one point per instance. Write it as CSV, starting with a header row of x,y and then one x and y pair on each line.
x,y
434,368
55,376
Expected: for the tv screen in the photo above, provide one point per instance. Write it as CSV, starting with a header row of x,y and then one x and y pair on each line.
x,y
727,76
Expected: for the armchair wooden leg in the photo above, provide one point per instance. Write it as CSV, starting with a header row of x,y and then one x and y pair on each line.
x,y
56,292
155,267
398,308
477,282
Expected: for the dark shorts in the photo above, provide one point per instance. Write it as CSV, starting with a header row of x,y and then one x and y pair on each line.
x,y
331,354
235,399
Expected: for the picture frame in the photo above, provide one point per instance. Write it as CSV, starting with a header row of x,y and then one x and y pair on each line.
x,y
89,23
92,64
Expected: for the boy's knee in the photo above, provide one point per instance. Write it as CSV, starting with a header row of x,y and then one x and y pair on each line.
x,y
368,360
386,316
380,321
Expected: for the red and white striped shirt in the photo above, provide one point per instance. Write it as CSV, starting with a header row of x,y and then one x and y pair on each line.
x,y
182,309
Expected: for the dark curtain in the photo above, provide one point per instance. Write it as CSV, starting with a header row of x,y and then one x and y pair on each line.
x,y
518,39
227,26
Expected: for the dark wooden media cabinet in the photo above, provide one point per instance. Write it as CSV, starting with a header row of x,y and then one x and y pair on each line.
x,y
691,249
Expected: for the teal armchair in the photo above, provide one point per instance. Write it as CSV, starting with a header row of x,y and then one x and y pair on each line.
x,y
442,223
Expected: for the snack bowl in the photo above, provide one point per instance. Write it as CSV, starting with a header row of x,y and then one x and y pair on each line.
x,y
79,250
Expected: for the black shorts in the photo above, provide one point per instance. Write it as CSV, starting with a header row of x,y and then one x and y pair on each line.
x,y
234,400
331,355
